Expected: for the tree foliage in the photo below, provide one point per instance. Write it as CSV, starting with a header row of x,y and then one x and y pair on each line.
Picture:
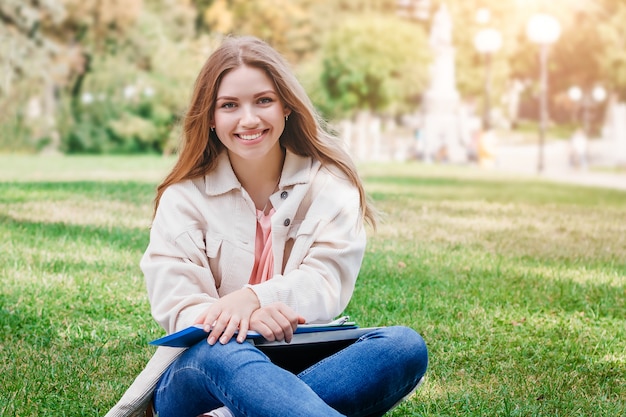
x,y
374,62
49,48
285,24
613,38
69,66
132,99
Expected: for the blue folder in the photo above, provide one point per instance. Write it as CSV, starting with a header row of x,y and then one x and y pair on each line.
x,y
193,334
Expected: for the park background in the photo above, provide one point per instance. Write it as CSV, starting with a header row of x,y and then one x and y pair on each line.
x,y
517,281
103,77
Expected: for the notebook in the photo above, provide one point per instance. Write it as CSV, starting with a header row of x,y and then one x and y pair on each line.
x,y
310,343
193,334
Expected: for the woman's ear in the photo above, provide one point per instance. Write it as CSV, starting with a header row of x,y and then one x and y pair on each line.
x,y
287,112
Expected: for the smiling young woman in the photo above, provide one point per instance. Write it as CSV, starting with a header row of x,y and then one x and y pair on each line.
x,y
260,226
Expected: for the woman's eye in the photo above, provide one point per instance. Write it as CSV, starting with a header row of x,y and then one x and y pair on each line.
x,y
265,100
228,105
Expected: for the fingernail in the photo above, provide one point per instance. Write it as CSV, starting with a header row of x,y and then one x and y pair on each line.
x,y
211,341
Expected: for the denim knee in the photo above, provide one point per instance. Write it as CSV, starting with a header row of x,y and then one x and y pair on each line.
x,y
409,347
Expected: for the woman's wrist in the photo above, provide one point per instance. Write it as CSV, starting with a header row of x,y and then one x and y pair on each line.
x,y
251,295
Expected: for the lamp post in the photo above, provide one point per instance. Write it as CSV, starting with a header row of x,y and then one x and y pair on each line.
x,y
543,30
487,41
587,102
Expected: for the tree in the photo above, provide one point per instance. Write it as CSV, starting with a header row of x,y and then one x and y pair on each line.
x,y
284,24
134,95
376,63
613,36
50,45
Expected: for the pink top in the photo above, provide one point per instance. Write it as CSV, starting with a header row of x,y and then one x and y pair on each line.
x,y
263,259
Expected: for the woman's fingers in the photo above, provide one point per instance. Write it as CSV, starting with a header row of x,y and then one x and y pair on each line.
x,y
240,312
216,328
229,331
228,315
264,330
244,326
275,322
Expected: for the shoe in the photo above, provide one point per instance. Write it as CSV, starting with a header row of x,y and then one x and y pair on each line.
x,y
218,412
419,383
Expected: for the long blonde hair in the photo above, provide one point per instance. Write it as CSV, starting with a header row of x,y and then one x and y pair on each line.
x,y
305,132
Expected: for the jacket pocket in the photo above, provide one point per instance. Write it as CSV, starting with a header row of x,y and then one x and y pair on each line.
x,y
302,228
300,238
213,246
192,246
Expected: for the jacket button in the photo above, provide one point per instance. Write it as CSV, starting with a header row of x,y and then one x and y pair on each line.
x,y
287,222
284,195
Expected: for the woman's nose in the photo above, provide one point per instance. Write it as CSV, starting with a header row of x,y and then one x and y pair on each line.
x,y
249,116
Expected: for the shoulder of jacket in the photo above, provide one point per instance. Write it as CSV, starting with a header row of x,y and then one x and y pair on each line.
x,y
180,204
332,175
185,187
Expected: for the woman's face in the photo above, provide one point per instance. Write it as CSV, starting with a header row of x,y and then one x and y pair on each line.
x,y
249,115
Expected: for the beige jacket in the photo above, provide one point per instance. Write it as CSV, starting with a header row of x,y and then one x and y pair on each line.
x,y
202,247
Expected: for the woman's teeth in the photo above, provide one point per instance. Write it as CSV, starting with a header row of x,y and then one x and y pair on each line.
x,y
251,137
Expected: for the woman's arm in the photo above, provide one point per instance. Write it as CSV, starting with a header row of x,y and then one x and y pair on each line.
x,y
178,277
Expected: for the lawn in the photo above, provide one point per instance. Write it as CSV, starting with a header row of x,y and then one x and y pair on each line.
x,y
518,286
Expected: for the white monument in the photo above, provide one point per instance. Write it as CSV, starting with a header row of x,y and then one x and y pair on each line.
x,y
441,125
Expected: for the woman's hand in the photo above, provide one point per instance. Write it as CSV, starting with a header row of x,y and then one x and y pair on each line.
x,y
229,314
276,321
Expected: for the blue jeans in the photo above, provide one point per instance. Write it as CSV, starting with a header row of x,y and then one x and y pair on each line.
x,y
366,378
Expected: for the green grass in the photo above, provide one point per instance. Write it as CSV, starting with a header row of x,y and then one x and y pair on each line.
x,y
518,287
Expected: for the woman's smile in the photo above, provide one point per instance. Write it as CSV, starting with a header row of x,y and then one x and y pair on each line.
x,y
248,137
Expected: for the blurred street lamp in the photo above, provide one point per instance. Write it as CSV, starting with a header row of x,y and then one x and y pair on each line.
x,y
575,93
587,100
543,30
487,41
598,93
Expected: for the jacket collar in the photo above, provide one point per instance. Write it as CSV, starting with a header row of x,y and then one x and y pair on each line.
x,y
296,170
